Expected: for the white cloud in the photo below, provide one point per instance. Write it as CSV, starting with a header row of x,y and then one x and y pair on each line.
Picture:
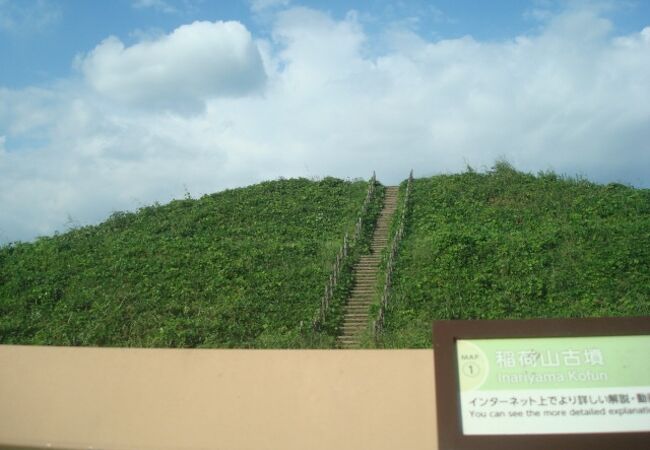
x,y
574,98
27,16
177,71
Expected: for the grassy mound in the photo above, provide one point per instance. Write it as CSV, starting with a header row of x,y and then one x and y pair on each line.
x,y
241,268
510,245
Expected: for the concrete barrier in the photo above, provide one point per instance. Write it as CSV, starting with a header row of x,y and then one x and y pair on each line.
x,y
107,398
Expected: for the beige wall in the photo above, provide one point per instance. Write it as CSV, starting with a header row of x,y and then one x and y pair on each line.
x,y
217,399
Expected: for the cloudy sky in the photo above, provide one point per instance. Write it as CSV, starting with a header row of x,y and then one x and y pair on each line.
x,y
109,106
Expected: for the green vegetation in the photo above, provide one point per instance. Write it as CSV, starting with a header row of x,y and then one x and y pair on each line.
x,y
241,268
245,267
510,245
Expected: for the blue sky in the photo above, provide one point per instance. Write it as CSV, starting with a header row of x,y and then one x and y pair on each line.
x,y
108,106
43,45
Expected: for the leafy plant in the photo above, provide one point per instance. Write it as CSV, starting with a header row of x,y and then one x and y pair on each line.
x,y
241,268
505,244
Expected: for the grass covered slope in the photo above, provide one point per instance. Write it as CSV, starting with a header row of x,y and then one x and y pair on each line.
x,y
510,245
240,268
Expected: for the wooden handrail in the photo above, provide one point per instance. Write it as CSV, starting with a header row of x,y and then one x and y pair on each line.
x,y
341,257
378,324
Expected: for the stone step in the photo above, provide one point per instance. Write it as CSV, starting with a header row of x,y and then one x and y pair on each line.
x,y
349,331
352,333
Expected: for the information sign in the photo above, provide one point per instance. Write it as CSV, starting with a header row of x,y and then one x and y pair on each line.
x,y
577,383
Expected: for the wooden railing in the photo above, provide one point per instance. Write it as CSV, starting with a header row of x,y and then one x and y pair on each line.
x,y
341,256
378,324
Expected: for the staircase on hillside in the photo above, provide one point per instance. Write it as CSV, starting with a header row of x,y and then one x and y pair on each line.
x,y
365,274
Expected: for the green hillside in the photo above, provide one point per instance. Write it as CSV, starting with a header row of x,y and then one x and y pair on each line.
x,y
241,268
245,267
505,244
